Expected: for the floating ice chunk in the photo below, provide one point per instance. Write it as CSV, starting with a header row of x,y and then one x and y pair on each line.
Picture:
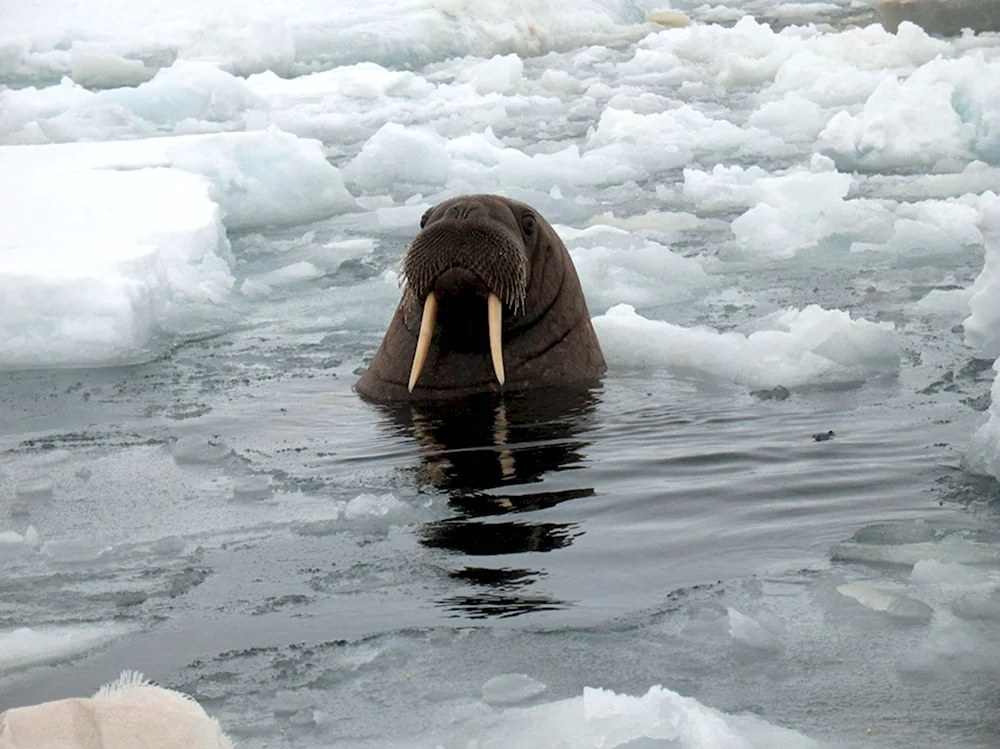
x,y
36,489
974,606
139,252
374,506
982,327
895,533
23,647
792,117
265,178
930,227
951,548
789,211
951,304
725,187
510,689
397,154
953,645
933,571
20,107
896,606
94,65
195,451
500,74
185,91
790,348
652,143
944,110
365,82
186,97
75,550
482,159
255,45
982,456
252,489
290,275
602,719
762,633
129,253
614,267
12,541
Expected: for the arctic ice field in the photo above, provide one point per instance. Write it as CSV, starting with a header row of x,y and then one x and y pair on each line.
x,y
776,525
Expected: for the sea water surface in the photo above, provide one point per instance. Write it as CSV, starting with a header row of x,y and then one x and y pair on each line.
x,y
759,531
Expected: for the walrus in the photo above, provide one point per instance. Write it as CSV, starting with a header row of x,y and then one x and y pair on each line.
x,y
491,303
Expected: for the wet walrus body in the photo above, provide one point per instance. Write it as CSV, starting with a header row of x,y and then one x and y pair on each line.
x,y
492,295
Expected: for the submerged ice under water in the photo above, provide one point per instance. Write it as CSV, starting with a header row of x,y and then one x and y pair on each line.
x,y
776,523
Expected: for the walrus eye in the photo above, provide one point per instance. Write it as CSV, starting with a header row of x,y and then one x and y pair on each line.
x,y
423,219
528,224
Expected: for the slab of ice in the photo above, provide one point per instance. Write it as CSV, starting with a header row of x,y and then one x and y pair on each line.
x,y
509,689
398,154
800,208
374,506
23,647
603,719
131,255
945,110
892,604
617,266
12,541
758,633
982,330
982,456
952,549
187,97
126,241
652,143
982,327
791,348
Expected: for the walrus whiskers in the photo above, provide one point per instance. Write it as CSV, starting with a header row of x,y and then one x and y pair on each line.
x,y
424,339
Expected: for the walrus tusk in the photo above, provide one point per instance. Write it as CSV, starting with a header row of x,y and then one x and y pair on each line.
x,y
494,311
424,338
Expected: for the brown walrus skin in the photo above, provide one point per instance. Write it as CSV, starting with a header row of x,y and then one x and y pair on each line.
x,y
472,247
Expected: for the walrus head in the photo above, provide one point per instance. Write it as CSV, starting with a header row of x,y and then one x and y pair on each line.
x,y
491,301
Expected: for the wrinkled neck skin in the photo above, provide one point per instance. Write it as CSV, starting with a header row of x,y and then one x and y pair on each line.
x,y
547,342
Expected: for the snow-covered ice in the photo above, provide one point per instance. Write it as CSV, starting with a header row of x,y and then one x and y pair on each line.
x,y
139,251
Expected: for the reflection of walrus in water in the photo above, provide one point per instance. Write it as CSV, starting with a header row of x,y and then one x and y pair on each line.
x,y
491,302
486,441
500,459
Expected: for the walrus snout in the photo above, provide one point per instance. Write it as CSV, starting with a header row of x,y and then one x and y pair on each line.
x,y
464,249
457,282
